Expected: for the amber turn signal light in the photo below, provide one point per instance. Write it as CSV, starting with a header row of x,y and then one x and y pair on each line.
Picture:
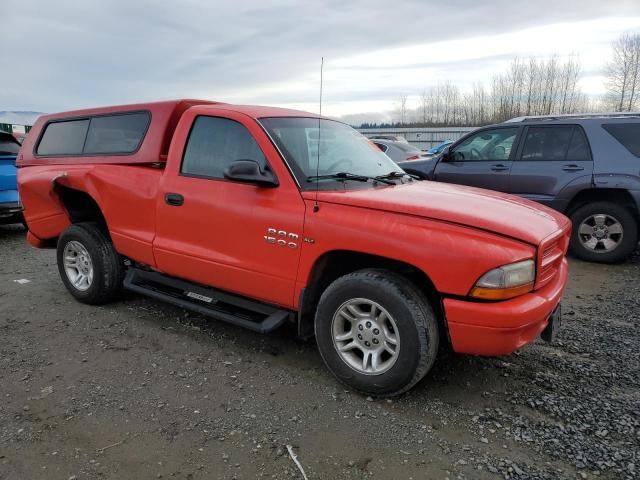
x,y
500,293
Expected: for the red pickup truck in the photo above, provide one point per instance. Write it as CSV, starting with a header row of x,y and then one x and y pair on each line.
x,y
260,216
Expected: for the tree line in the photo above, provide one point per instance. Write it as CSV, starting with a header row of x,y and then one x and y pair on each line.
x,y
530,86
623,74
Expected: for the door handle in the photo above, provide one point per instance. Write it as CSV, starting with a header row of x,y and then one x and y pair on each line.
x,y
173,199
499,167
572,168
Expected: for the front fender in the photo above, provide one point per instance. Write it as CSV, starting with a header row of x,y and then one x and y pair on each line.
x,y
451,255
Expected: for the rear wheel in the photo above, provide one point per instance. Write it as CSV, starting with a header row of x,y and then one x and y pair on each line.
x,y
89,266
376,332
603,232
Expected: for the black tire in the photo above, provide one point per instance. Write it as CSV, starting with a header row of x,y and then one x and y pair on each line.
x,y
107,264
416,324
627,243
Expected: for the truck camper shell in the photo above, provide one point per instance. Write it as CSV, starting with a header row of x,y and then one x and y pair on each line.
x,y
94,136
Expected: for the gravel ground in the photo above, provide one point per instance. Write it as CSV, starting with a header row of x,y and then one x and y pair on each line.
x,y
138,389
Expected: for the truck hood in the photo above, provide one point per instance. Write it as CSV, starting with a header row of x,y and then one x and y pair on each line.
x,y
473,207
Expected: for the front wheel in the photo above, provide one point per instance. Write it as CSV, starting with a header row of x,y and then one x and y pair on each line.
x,y
89,266
376,332
603,232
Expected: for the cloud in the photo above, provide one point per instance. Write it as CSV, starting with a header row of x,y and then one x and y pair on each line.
x,y
73,54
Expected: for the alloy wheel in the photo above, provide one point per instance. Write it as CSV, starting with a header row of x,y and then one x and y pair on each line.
x,y
365,336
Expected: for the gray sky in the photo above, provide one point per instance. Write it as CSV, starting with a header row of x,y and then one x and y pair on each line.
x,y
72,54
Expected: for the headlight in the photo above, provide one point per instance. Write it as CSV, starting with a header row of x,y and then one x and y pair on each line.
x,y
505,282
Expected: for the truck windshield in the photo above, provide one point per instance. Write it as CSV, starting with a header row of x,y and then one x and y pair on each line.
x,y
338,147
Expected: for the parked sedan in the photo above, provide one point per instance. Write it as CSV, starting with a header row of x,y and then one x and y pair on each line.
x,y
399,151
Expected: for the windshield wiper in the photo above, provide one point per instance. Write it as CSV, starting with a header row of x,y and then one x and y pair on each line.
x,y
397,174
349,176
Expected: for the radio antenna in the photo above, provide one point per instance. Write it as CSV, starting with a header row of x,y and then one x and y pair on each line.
x,y
316,207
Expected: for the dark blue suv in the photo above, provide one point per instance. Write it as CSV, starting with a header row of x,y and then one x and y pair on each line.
x,y
586,166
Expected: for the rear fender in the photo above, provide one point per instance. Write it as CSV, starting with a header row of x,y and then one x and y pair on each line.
x,y
124,197
44,210
619,181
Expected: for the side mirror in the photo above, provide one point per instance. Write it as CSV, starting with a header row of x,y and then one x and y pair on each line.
x,y
446,155
248,171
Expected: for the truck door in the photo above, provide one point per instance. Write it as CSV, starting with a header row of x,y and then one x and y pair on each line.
x,y
483,159
238,237
552,165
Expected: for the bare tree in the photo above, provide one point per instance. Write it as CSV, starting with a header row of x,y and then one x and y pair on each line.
x,y
569,76
436,104
623,73
550,85
528,87
424,106
536,87
402,109
531,75
473,106
449,97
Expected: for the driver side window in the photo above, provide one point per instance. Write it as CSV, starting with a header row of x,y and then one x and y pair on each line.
x,y
489,145
215,143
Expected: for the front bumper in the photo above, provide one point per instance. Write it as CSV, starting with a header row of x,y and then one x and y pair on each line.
x,y
501,328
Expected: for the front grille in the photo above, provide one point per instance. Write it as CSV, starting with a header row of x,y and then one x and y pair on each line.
x,y
549,250
550,255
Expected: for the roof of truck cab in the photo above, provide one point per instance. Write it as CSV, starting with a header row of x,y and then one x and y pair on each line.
x,y
259,111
